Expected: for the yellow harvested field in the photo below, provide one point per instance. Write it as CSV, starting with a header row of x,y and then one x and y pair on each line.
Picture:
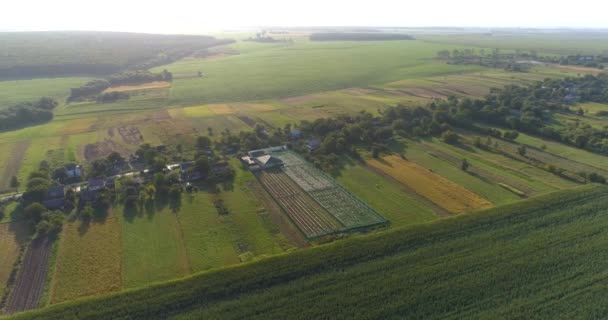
x,y
253,107
88,260
221,109
445,193
145,86
12,237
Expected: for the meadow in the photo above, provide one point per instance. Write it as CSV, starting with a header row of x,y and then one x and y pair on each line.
x,y
16,91
479,265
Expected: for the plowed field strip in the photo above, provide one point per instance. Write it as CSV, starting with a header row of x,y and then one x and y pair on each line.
x,y
30,282
310,218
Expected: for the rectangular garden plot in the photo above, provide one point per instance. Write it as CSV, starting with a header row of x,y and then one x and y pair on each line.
x,y
314,201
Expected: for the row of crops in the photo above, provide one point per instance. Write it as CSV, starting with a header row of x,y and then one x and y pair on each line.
x,y
322,194
310,218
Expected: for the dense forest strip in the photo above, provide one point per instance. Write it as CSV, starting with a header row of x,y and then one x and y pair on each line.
x,y
482,264
92,53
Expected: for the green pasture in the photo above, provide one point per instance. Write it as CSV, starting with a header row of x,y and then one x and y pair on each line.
x,y
15,91
287,70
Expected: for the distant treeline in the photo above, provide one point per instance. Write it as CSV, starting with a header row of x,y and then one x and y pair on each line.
x,y
35,54
518,60
95,87
343,36
27,114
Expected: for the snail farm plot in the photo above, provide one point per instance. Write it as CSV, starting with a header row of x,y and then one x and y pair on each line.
x,y
315,202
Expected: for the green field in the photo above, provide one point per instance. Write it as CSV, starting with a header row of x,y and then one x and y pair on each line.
x,y
89,259
388,198
458,267
15,91
278,71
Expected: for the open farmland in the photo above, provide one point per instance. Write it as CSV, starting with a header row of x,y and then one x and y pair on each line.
x,y
456,268
435,188
542,158
29,285
88,259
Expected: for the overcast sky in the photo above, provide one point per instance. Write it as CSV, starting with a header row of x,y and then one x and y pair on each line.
x,y
197,16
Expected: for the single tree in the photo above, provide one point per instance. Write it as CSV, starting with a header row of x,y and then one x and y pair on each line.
x,y
465,165
15,183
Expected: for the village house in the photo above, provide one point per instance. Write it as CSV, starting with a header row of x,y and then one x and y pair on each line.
x,y
268,161
73,170
54,198
187,172
96,184
313,144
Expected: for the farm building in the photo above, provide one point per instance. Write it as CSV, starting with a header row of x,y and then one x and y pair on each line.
x,y
55,198
73,170
296,134
313,144
268,161
187,172
96,184
263,158
220,166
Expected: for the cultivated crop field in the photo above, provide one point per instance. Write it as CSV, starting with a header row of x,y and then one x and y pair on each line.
x,y
29,285
311,219
301,183
442,281
88,259
435,188
13,236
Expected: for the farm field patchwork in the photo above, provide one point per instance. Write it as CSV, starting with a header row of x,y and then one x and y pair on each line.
x,y
456,268
88,259
386,196
437,189
339,202
449,167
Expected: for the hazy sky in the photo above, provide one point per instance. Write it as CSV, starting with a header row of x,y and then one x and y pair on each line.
x,y
193,16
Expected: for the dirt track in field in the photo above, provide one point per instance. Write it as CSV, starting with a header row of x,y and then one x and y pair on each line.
x,y
31,279
14,162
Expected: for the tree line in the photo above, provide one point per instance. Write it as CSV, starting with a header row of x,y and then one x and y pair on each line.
x,y
97,86
27,114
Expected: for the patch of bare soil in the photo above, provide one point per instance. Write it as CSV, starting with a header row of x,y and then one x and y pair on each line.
x,y
248,121
14,162
102,149
425,93
31,279
130,135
